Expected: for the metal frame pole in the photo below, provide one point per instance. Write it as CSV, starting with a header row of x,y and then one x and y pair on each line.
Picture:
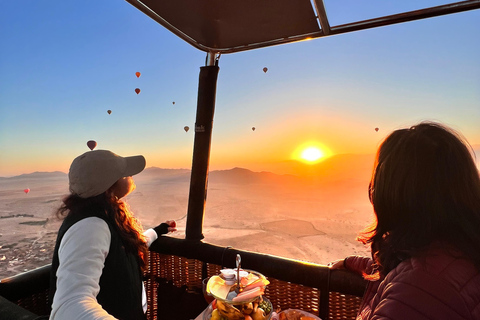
x,y
207,87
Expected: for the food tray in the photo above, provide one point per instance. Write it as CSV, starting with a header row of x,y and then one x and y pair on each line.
x,y
258,274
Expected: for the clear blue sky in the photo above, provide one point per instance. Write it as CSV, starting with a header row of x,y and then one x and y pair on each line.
x,y
63,64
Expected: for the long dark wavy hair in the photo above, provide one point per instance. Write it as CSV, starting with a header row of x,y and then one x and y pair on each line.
x,y
118,213
425,188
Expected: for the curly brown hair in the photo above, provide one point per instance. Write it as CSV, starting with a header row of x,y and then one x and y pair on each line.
x,y
118,213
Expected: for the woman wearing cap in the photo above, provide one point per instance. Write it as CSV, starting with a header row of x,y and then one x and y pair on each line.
x,y
425,242
101,248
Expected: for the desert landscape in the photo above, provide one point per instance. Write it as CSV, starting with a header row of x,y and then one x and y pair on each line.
x,y
308,213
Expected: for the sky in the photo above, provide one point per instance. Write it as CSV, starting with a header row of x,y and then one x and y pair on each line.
x,y
63,64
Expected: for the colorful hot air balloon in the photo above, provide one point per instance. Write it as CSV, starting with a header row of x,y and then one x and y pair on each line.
x,y
265,69
137,91
26,190
109,111
92,144
376,129
137,74
253,128
186,128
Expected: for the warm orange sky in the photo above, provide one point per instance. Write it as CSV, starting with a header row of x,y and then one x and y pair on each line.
x,y
58,79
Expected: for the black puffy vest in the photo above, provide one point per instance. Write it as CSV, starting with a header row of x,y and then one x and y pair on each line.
x,y
121,281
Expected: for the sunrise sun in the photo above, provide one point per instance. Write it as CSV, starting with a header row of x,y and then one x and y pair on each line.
x,y
311,152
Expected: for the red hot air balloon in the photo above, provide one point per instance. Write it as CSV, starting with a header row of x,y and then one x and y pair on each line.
x,y
92,144
376,129
138,74
137,91
253,128
265,69
26,190
186,128
109,111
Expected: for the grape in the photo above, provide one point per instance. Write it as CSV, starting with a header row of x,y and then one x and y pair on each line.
x,y
265,306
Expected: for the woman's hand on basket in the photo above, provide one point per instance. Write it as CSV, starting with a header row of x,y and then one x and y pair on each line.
x,y
166,227
337,264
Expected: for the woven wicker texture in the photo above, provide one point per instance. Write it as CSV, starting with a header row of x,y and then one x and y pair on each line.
x,y
343,306
184,272
37,303
284,295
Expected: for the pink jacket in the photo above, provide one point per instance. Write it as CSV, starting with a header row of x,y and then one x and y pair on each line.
x,y
435,286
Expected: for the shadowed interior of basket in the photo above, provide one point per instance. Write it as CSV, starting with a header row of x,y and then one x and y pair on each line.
x,y
173,282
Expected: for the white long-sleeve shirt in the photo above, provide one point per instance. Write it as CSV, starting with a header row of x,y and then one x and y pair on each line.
x,y
82,253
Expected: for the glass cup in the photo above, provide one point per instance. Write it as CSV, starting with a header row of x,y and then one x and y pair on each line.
x,y
207,297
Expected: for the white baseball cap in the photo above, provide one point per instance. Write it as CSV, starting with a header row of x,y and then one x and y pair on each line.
x,y
94,172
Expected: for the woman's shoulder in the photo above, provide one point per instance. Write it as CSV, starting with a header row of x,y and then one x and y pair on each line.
x,y
91,223
83,219
442,274
444,262
440,263
88,229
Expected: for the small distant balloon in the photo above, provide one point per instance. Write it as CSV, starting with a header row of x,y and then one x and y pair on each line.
x,y
137,91
253,128
173,102
92,144
376,129
265,69
26,190
186,128
138,74
109,111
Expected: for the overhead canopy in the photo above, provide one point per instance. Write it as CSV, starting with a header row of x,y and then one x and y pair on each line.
x,y
227,26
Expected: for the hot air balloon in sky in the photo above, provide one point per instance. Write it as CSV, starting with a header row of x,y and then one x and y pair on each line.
x,y
186,128
137,91
173,102
138,74
253,128
265,69
92,144
376,129
109,111
26,190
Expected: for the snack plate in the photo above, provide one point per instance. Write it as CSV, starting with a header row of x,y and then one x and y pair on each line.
x,y
258,274
208,312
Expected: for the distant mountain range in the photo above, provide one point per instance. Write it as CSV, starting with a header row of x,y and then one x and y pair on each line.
x,y
336,168
245,176
37,175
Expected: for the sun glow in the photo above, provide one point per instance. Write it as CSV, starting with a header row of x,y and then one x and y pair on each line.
x,y
311,152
